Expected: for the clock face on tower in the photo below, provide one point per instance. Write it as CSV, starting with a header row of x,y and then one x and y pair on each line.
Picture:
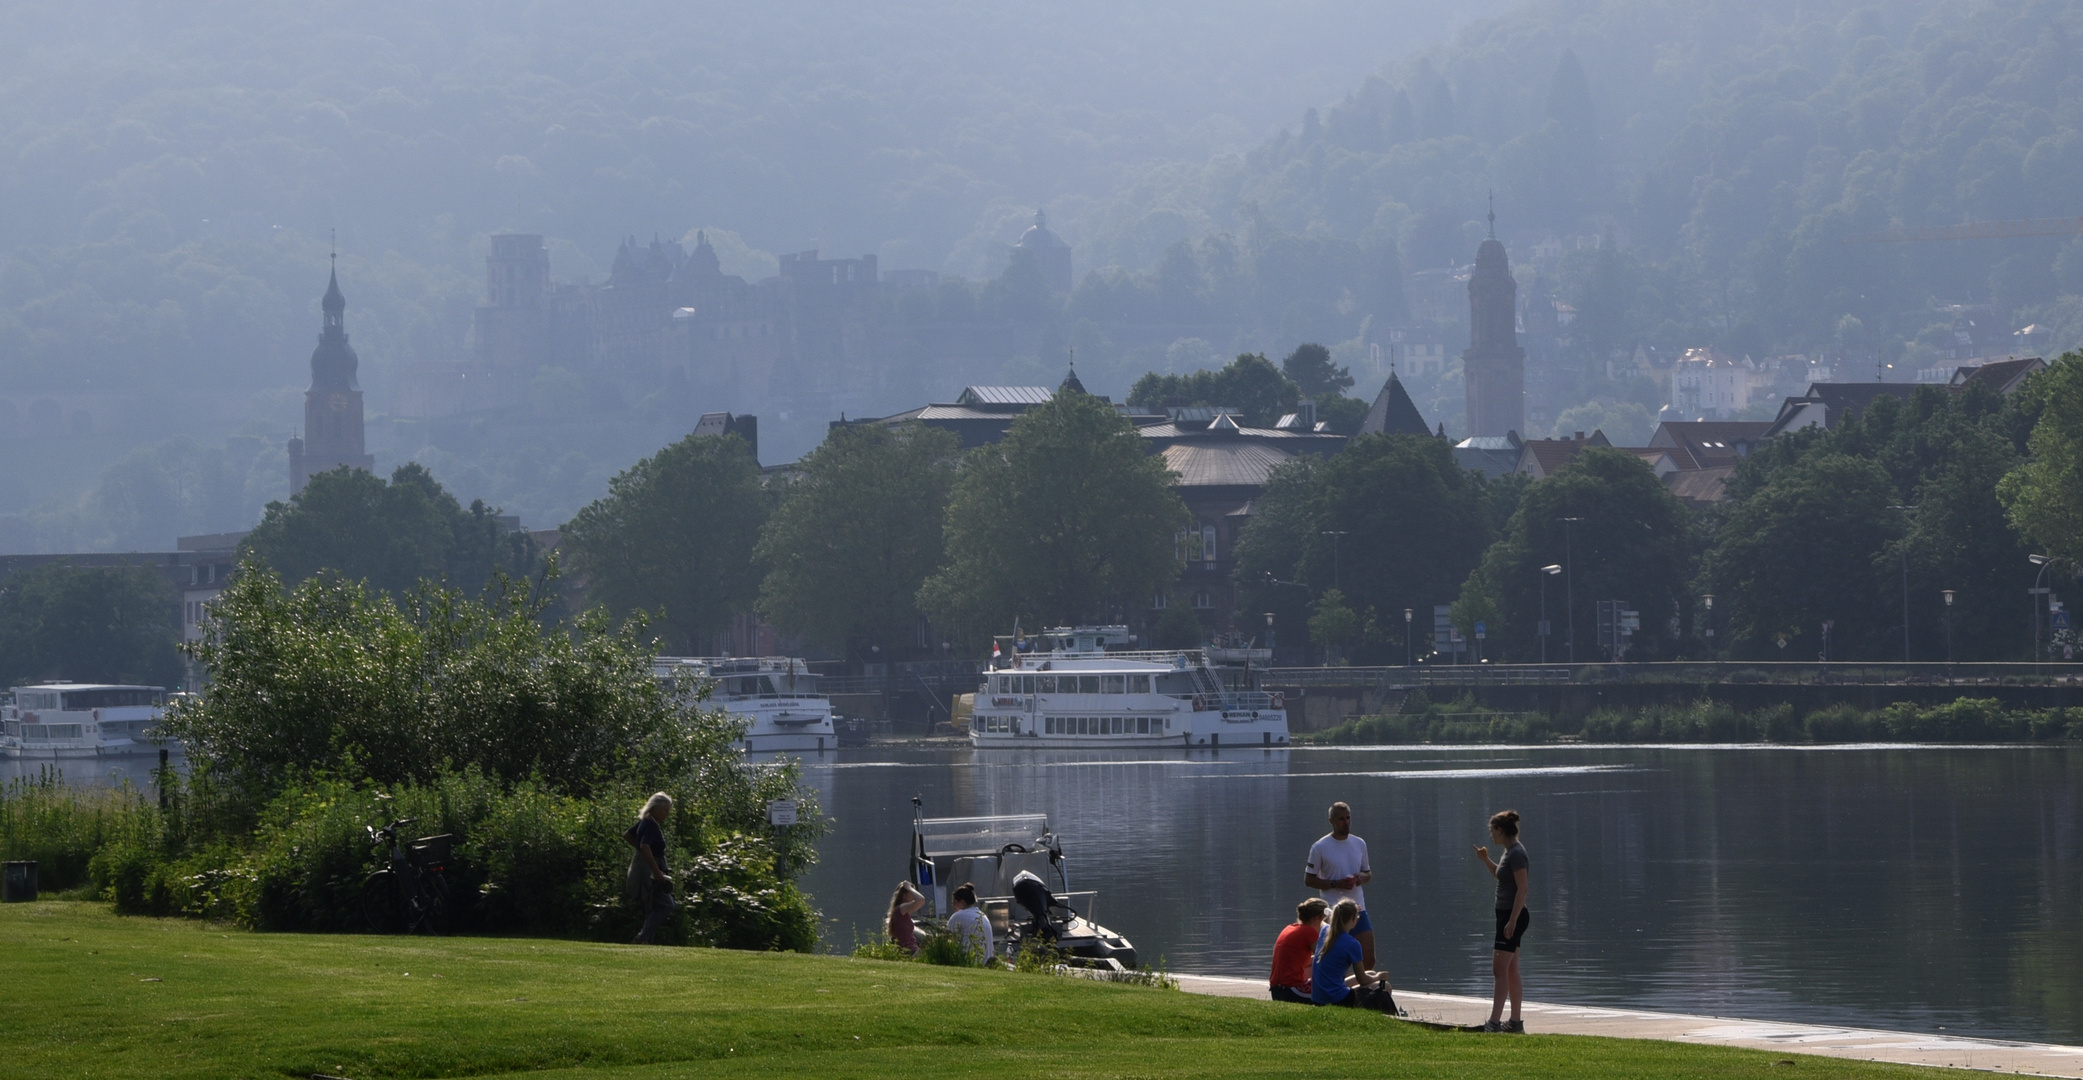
x,y
339,403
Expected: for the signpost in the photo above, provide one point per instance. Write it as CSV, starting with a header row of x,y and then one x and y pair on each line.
x,y
781,814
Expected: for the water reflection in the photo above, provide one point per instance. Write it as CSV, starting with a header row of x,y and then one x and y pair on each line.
x,y
1886,886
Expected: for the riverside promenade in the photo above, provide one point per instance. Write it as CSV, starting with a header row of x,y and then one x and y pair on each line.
x,y
1897,1047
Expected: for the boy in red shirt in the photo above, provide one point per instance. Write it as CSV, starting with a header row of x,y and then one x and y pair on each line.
x,y
1294,949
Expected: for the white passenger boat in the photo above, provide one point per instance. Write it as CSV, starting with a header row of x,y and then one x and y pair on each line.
x,y
990,854
1072,693
776,696
81,720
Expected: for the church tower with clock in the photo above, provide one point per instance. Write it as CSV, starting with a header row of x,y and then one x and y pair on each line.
x,y
333,405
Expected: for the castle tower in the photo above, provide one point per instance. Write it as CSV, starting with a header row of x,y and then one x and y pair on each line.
x,y
1047,251
333,405
1494,366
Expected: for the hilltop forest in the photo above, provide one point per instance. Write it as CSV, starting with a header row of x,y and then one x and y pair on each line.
x,y
1680,174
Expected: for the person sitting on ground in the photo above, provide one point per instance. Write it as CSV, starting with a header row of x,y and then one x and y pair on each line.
x,y
1291,952
1337,954
903,903
969,925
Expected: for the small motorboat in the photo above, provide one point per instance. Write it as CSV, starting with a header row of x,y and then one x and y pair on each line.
x,y
991,853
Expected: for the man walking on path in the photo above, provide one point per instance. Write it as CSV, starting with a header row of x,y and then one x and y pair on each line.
x,y
1338,866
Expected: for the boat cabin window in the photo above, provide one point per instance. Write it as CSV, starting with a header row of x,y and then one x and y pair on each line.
x,y
114,697
1088,684
28,700
1113,684
1175,682
1139,684
1142,725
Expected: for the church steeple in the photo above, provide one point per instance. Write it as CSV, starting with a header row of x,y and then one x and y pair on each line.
x,y
1494,365
333,406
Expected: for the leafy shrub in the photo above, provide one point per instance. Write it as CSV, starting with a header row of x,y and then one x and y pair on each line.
x,y
948,949
61,827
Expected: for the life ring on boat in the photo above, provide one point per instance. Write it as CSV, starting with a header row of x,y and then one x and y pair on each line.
x,y
1279,700
1200,703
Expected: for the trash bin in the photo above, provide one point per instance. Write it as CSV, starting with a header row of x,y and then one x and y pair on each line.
x,y
18,883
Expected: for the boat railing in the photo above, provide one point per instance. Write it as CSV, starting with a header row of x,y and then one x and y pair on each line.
x,y
1191,657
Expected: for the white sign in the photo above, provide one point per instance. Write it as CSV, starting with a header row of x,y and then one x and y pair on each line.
x,y
781,813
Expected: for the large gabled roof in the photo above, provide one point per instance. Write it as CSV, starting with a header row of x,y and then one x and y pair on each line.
x,y
1227,463
1004,396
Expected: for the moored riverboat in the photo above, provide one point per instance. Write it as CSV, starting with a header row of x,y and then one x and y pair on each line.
x,y
1071,692
991,854
82,720
776,696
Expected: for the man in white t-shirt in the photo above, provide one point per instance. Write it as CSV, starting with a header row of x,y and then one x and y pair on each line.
x,y
968,923
1338,866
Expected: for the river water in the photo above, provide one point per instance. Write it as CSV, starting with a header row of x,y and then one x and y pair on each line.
x,y
1920,888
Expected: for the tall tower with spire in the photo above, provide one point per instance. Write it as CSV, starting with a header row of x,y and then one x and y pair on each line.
x,y
1494,366
333,405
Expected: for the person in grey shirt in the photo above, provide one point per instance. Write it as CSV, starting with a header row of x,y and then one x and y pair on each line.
x,y
1510,870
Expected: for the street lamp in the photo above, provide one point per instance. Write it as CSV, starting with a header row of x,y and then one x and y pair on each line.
x,y
1905,585
1406,637
1334,534
1547,572
1569,582
1269,639
2037,591
1949,630
1708,600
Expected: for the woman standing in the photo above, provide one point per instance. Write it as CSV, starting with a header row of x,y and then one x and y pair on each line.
x,y
903,903
1510,870
649,879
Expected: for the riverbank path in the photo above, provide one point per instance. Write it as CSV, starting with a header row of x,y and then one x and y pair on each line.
x,y
1899,1047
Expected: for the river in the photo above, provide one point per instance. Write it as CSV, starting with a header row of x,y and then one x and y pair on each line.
x,y
1920,888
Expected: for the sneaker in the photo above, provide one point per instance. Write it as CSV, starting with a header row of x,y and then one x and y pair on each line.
x,y
1515,1027
1492,1025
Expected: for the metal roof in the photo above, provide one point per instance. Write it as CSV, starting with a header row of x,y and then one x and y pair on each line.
x,y
1223,464
1005,395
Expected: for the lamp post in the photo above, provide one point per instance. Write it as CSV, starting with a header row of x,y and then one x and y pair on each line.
x,y
1546,572
2038,590
1949,632
1708,600
1905,585
1269,638
1334,534
1569,583
1406,637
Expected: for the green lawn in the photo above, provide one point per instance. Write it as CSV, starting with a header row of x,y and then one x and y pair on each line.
x,y
87,994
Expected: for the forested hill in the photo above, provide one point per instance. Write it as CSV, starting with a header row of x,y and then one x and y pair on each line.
x,y
147,150
1727,147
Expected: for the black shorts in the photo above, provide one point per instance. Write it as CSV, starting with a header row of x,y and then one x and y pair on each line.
x,y
1291,995
1518,933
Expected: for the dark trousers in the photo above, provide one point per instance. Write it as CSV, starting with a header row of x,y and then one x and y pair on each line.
x,y
658,907
1289,994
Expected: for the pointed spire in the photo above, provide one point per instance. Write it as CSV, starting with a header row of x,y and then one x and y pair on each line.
x,y
1493,215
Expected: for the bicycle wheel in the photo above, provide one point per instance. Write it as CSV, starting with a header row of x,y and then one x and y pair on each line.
x,y
380,903
433,905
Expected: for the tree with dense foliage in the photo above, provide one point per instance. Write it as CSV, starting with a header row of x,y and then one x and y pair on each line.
x,y
1628,543
1250,382
89,624
2044,494
675,536
1414,524
336,677
1310,368
392,535
1945,454
858,530
1068,520
1805,548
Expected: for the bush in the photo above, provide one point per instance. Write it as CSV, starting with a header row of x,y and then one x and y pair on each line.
x,y
61,828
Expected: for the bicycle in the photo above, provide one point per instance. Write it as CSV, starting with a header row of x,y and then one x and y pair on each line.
x,y
411,894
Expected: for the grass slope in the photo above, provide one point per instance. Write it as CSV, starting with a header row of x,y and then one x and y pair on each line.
x,y
87,994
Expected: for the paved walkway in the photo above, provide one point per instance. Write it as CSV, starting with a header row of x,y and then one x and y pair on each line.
x,y
1903,1048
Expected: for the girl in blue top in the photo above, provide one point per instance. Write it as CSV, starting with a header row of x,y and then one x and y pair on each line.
x,y
1338,952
